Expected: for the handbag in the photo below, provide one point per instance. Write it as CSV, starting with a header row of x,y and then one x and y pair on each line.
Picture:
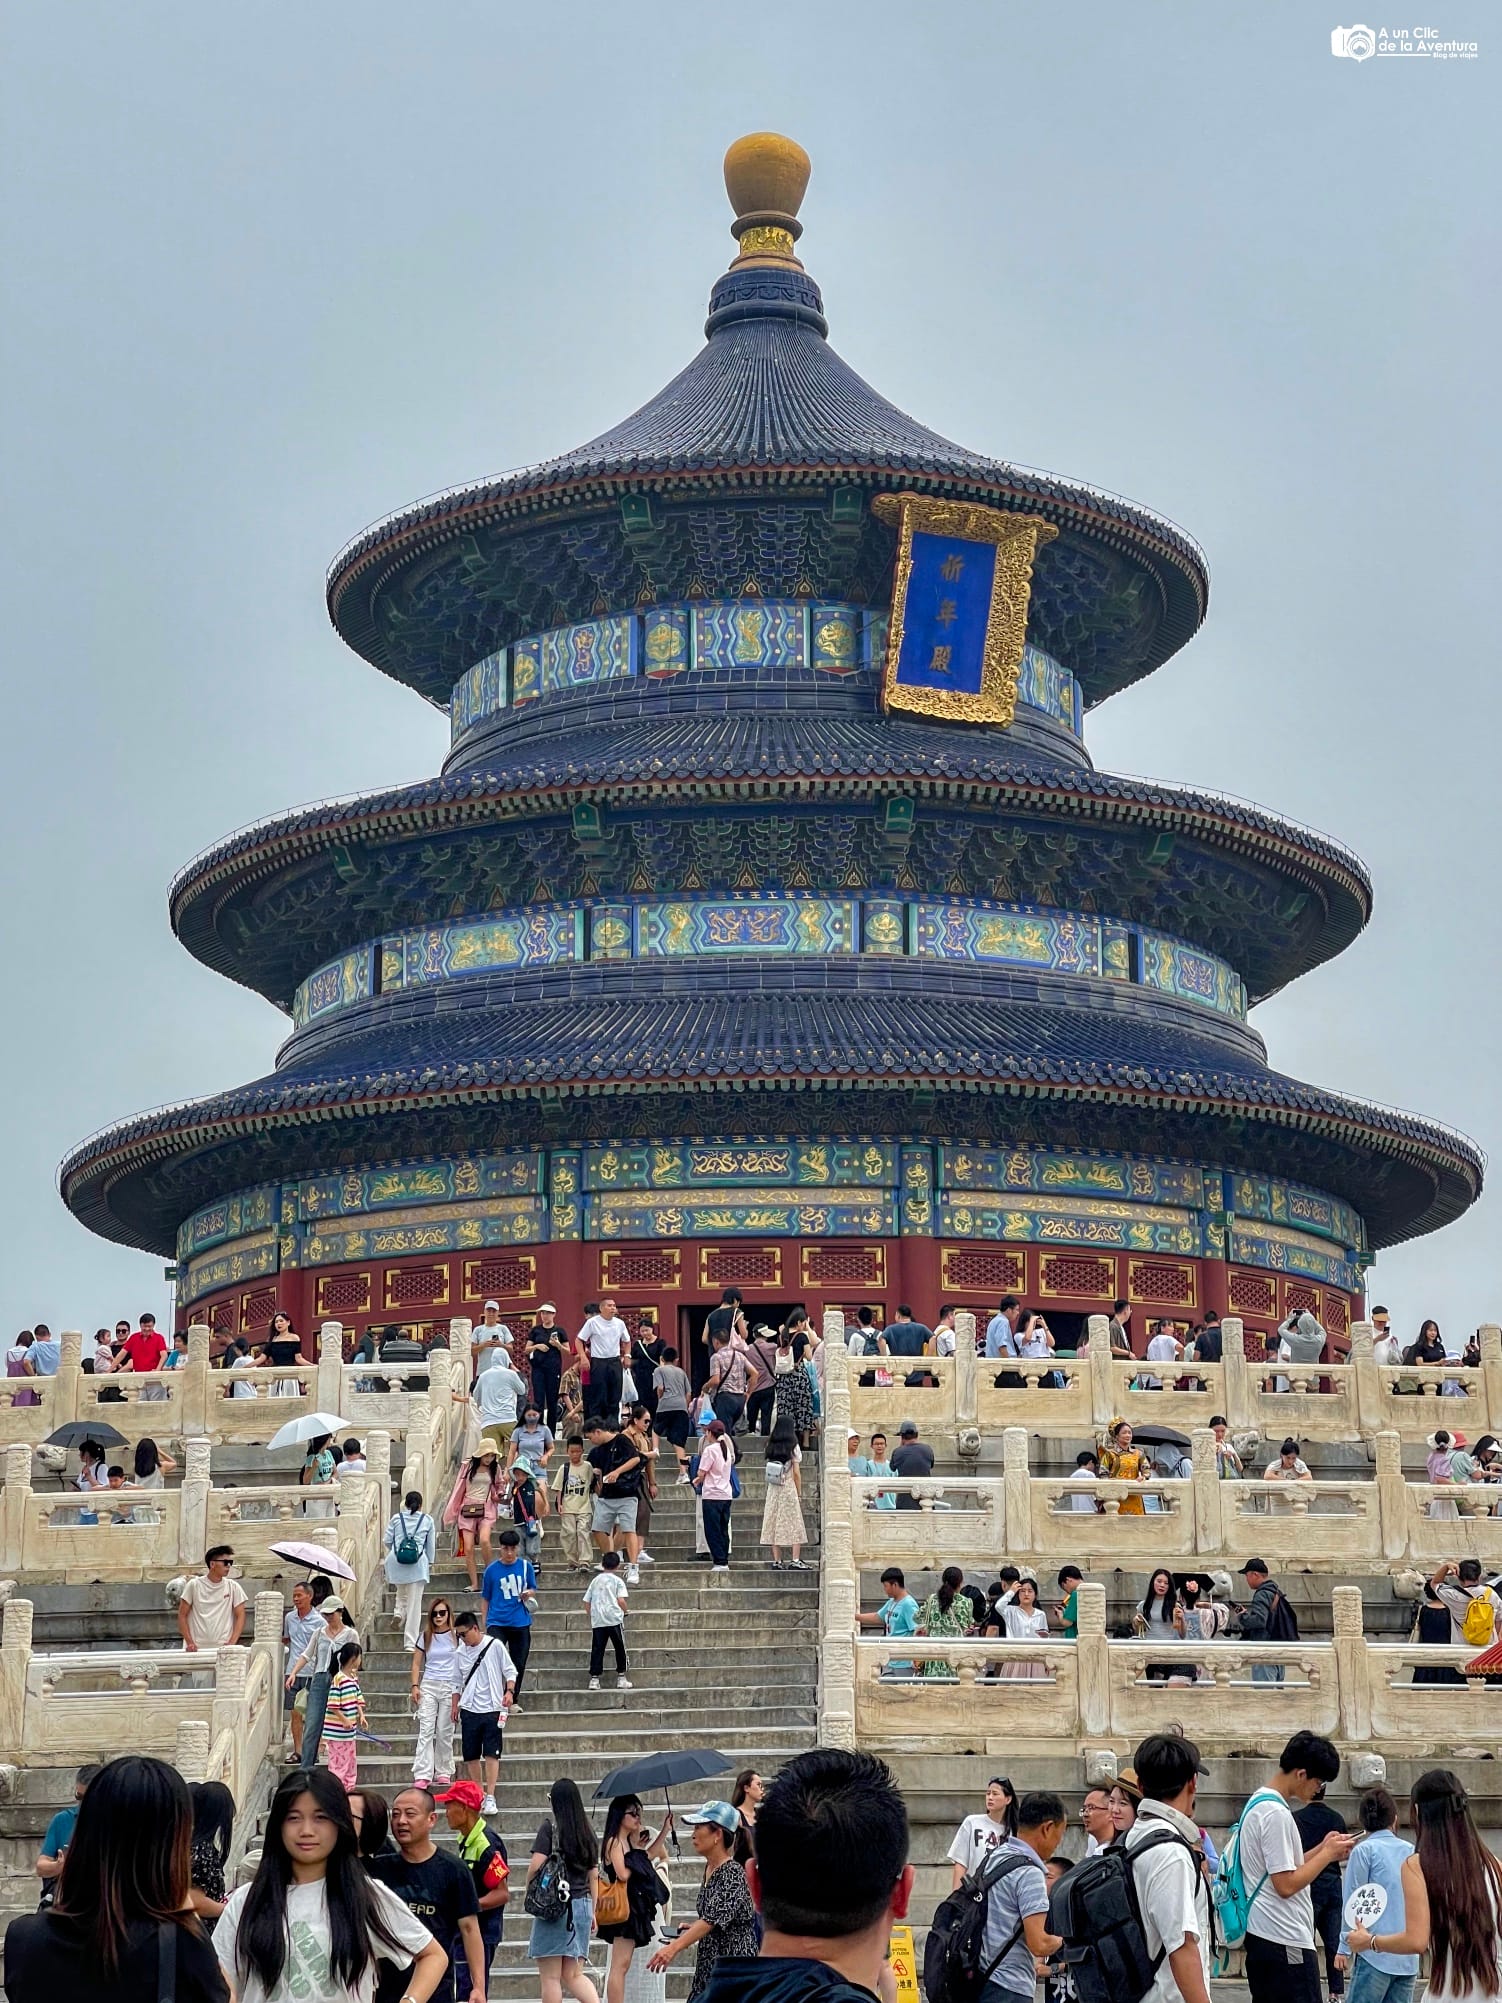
x,y
613,1903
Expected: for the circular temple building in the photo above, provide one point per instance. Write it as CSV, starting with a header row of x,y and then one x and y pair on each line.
x,y
769,924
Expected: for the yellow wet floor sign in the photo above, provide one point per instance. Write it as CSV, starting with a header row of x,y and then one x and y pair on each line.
x,y
904,1967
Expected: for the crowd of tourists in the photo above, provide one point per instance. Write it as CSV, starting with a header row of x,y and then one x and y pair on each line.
x,y
1291,1887
802,1882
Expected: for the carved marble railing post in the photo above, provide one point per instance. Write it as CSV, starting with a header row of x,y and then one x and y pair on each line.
x,y
1353,1665
839,1596
1370,1407
68,1379
1491,1375
1392,1494
378,1463
227,1710
440,1381
269,1610
1094,1663
191,1753
15,1660
1017,1488
198,1387
1236,1378
1209,1530
15,1505
193,1505
964,1368
1102,1377
461,1349
329,1388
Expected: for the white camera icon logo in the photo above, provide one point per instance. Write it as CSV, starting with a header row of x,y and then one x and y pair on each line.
x,y
1357,42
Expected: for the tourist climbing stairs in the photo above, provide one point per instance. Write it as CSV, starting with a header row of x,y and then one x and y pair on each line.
x,y
728,1662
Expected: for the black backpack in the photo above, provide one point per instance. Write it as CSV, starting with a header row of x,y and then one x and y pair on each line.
x,y
1094,1909
1282,1621
953,1971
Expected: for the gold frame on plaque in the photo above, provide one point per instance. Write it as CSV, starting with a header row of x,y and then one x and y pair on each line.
x,y
1017,539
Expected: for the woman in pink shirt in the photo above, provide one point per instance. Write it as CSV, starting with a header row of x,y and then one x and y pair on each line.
x,y
715,1482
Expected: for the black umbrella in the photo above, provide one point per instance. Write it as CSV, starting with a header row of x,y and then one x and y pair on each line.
x,y
78,1430
663,1770
1159,1436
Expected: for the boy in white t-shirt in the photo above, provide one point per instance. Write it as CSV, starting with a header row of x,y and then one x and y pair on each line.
x,y
1281,1964
605,1597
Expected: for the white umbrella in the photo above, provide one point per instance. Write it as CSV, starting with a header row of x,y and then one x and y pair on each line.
x,y
316,1556
311,1426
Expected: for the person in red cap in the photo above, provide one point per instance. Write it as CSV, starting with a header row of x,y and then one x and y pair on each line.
x,y
485,1854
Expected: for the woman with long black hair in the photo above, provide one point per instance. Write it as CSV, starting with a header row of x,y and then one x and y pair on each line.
x,y
122,1929
1452,1897
629,1856
312,1923
213,1828
565,1848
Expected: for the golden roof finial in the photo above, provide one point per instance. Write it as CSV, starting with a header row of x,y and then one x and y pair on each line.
x,y
766,177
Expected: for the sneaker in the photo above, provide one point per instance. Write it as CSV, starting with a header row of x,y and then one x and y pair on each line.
x,y
776,1564
683,1480
622,1684
796,1565
594,1682
645,1558
487,1806
633,1576
719,1568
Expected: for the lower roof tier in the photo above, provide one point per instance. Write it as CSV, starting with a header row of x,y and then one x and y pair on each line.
x,y
550,1072
770,801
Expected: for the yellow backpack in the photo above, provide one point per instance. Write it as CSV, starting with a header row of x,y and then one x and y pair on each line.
x,y
1478,1623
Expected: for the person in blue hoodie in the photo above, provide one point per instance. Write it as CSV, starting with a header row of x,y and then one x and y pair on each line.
x,y
829,1876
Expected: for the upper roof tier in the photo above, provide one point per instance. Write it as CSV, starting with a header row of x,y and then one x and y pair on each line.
x,y
751,472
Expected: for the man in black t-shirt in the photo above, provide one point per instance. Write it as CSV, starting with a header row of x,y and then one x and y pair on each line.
x,y
620,1470
913,1459
1315,1821
727,1319
435,1888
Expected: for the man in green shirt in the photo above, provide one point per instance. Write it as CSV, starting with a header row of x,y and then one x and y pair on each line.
x,y
1071,1578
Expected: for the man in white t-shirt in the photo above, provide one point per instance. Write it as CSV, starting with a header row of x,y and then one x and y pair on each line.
x,y
1163,1347
1086,1469
211,1612
1281,1964
978,1834
606,1338
491,1340
1386,1347
497,1390
1171,1891
1457,1586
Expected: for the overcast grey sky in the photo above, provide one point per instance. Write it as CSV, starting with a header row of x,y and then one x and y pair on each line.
x,y
273,271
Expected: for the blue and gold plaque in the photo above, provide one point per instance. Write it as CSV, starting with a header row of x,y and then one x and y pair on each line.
x,y
959,607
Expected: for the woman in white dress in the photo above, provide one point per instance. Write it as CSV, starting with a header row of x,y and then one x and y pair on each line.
x,y
782,1517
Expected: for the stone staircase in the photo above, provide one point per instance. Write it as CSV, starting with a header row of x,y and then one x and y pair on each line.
x,y
730,1663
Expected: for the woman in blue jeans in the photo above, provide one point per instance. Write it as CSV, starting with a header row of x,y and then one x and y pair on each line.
x,y
714,1483
1378,1861
317,1658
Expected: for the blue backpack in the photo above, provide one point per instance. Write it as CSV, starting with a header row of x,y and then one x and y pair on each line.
x,y
1229,1897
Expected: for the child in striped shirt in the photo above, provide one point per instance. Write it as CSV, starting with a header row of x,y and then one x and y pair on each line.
x,y
345,1716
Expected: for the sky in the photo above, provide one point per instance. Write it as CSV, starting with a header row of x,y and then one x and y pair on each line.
x,y
272,272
